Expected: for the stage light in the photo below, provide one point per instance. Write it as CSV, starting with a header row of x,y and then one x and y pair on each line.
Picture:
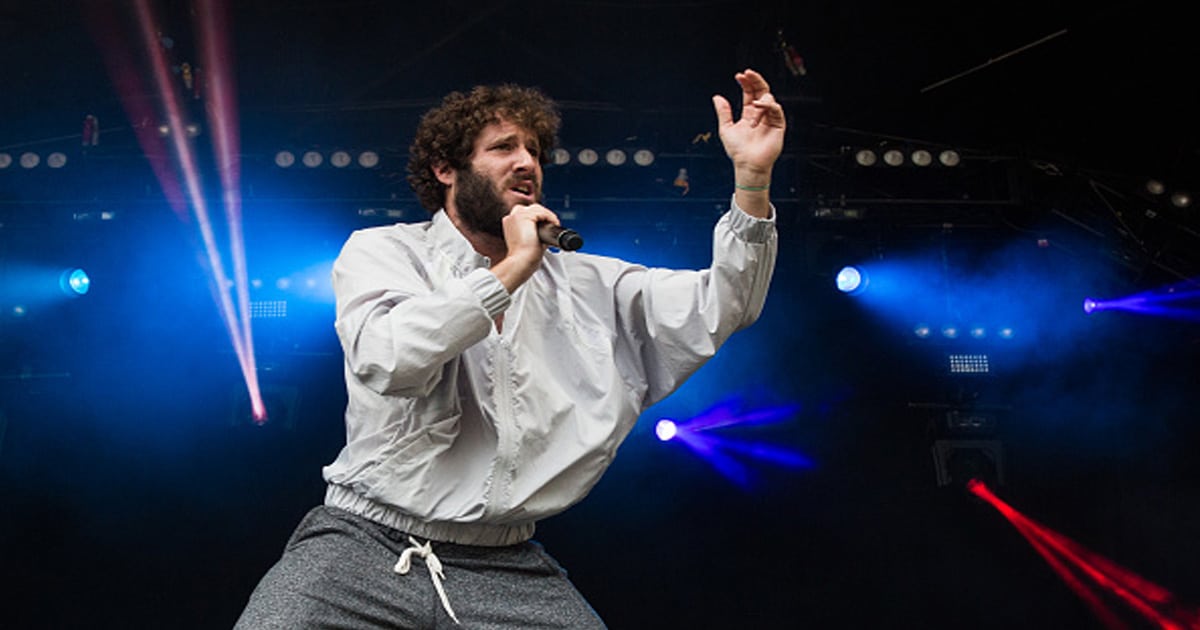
x,y
1089,305
164,131
587,157
560,157
339,159
921,157
643,157
968,363
30,159
1181,199
192,130
284,159
949,157
1005,333
893,157
950,331
56,160
1155,187
5,160
922,331
615,157
19,310
257,283
865,157
75,282
283,284
851,280
665,429
978,332
312,159
368,159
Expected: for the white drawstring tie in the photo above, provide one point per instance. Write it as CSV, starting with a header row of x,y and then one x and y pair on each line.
x,y
435,570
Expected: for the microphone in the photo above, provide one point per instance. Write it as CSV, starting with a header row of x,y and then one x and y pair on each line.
x,y
558,236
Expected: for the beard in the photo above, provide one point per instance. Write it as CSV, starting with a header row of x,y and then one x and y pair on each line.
x,y
479,205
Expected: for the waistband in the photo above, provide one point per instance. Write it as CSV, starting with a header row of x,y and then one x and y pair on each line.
x,y
482,534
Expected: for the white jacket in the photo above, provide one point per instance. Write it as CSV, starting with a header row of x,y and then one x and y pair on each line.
x,y
458,433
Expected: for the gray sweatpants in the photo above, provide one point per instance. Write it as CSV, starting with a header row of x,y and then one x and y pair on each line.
x,y
337,572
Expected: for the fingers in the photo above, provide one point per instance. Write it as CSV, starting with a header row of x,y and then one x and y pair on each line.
x,y
724,111
757,101
535,212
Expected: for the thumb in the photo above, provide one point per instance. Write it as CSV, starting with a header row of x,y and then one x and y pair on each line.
x,y
723,109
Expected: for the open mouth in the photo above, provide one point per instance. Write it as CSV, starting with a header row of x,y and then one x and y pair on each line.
x,y
525,189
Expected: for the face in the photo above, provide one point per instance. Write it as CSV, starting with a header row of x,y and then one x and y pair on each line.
x,y
504,172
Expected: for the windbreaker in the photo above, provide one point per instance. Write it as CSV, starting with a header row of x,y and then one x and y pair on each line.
x,y
459,432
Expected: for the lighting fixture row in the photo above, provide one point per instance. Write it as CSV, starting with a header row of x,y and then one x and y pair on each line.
x,y
337,159
1178,198
953,331
591,157
895,156
30,160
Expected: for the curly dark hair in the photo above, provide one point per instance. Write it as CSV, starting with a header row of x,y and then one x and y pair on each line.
x,y
447,133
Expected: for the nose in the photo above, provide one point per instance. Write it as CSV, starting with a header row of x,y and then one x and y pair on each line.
x,y
525,160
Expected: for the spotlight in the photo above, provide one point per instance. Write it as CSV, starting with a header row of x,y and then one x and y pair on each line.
x,y
560,157
74,282
1155,187
19,310
665,429
615,157
950,331
339,159
312,159
368,159
56,160
164,131
30,159
192,130
285,159
978,332
643,157
1005,333
1181,199
865,157
949,157
850,280
1089,305
587,157
922,331
283,284
921,157
5,160
893,157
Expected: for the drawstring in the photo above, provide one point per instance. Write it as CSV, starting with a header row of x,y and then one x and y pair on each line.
x,y
435,570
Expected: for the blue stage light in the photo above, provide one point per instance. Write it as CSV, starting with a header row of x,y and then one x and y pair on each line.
x,y
665,429
851,280
1089,305
75,282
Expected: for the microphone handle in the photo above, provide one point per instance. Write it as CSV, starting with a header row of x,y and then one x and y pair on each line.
x,y
558,236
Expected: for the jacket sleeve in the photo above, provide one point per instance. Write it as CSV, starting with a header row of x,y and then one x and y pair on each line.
x,y
397,322
676,320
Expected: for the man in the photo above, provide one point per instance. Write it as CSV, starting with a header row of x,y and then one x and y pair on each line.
x,y
490,381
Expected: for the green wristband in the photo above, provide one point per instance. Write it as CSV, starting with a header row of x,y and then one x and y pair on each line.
x,y
751,188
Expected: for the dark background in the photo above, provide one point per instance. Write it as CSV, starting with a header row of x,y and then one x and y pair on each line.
x,y
136,493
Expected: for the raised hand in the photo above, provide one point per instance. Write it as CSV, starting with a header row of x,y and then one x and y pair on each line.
x,y
754,141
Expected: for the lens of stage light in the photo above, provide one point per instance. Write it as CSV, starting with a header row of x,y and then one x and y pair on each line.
x,y
665,429
1005,333
922,330
950,331
1089,305
75,281
849,280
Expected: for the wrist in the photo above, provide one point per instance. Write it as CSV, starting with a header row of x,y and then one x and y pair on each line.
x,y
751,178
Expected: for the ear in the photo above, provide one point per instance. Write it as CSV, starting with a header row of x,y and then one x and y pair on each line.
x,y
444,173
